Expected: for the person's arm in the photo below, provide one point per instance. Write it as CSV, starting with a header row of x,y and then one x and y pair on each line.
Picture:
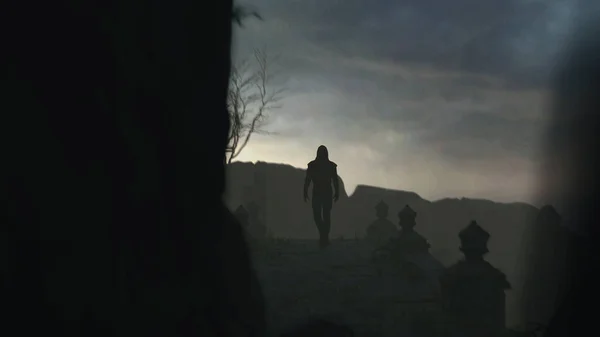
x,y
336,183
307,181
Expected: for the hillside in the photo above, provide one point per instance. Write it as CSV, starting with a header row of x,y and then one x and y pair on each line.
x,y
439,221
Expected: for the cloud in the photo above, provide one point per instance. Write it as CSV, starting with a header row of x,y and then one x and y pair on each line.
x,y
484,136
440,97
516,39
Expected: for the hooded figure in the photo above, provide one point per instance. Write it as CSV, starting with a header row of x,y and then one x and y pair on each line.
x,y
323,174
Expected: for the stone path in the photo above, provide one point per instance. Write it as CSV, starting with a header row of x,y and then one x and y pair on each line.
x,y
340,282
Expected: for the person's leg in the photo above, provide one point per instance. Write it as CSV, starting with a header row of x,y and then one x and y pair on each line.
x,y
316,207
323,229
326,225
319,213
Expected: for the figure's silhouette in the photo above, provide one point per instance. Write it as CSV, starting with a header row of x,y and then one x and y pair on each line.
x,y
323,174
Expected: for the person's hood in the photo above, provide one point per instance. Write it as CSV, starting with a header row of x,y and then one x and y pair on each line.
x,y
322,153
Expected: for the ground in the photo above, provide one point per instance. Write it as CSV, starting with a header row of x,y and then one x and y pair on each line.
x,y
341,283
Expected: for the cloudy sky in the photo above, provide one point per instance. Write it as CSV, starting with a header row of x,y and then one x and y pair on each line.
x,y
443,98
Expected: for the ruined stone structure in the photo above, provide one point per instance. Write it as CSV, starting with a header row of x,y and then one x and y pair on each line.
x,y
409,241
473,291
380,231
408,253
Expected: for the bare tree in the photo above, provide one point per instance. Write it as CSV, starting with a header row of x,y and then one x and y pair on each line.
x,y
249,102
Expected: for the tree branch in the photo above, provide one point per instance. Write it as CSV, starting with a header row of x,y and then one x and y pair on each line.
x,y
249,101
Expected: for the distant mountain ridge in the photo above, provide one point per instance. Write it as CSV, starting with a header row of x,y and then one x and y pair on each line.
x,y
439,221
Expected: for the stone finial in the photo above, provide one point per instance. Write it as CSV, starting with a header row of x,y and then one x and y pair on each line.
x,y
473,291
407,213
242,215
382,209
407,218
474,239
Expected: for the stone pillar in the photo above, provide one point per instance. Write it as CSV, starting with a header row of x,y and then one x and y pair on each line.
x,y
473,291
409,241
382,230
381,210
